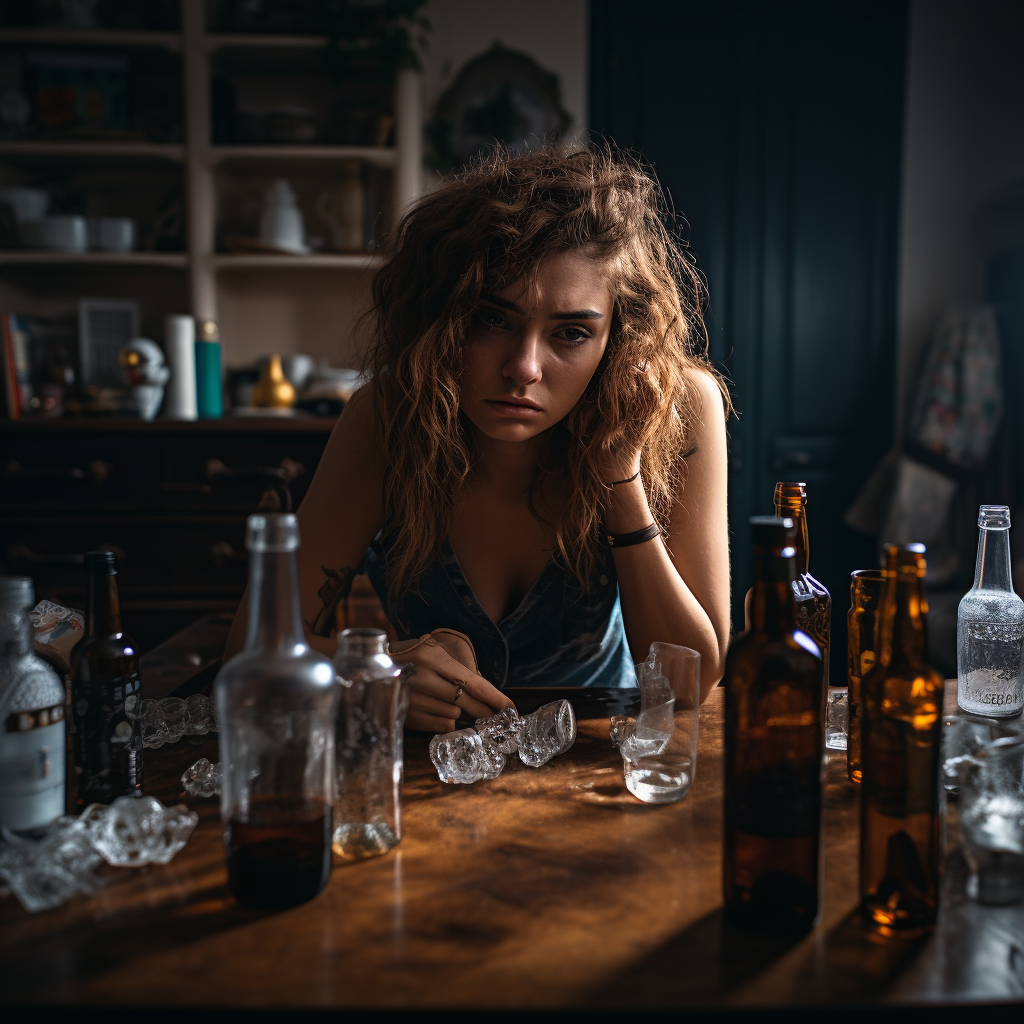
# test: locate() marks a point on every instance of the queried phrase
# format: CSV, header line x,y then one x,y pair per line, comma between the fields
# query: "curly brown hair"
x,y
485,228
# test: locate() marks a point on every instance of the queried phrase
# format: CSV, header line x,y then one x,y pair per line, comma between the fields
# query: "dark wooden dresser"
x,y
169,498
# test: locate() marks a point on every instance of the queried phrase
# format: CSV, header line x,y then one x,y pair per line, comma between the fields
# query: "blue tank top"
x,y
558,636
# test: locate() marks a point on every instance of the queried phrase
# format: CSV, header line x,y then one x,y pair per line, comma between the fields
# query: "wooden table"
x,y
544,888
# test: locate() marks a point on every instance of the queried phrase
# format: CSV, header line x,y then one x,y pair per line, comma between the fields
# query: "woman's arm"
x,y
338,518
678,592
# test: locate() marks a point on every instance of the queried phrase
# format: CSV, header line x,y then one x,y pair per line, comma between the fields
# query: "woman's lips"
x,y
513,409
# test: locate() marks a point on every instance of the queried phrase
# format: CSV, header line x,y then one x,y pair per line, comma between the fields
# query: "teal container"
x,y
209,384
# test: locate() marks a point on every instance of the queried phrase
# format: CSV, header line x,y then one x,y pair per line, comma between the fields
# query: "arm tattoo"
x,y
335,589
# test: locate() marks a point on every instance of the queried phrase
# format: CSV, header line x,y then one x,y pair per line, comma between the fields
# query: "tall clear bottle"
x,y
774,739
901,724
104,691
813,605
32,700
276,701
368,747
990,626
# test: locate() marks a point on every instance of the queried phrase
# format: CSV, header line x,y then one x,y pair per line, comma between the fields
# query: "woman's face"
x,y
532,351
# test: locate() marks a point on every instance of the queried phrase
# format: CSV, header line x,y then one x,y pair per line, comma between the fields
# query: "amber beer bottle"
x,y
104,691
773,749
901,721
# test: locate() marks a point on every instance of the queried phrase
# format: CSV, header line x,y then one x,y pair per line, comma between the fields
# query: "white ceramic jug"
x,y
281,224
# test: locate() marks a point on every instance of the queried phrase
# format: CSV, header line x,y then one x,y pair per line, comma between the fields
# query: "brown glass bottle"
x,y
861,653
773,748
813,602
104,690
901,721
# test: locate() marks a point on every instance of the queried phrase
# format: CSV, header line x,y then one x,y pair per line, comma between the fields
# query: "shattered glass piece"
x,y
619,727
549,731
500,730
459,756
140,830
202,779
202,716
154,728
651,733
493,760
175,716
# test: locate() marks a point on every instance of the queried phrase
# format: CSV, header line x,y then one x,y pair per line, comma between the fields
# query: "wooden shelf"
x,y
90,37
254,40
92,150
381,156
17,257
315,261
129,424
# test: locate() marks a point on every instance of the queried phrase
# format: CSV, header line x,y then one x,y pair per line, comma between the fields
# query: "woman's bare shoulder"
x,y
710,398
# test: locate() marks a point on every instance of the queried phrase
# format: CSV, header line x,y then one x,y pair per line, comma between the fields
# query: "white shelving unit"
x,y
201,163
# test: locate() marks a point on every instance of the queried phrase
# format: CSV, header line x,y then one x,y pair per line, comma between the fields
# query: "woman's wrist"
x,y
627,510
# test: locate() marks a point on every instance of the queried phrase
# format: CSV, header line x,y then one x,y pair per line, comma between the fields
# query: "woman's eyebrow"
x,y
578,314
503,303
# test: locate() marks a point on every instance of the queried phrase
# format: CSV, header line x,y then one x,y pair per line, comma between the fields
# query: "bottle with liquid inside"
x,y
901,723
773,750
990,626
813,605
32,700
861,653
276,702
104,694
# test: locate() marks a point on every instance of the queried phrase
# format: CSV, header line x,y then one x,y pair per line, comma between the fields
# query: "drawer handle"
x,y
288,470
23,554
97,471
223,554
184,487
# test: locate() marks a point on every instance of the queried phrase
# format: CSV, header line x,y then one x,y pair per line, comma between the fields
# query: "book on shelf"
x,y
37,355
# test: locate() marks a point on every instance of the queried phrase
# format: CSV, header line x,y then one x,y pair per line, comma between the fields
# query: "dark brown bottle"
x,y
862,641
773,748
104,692
901,723
813,602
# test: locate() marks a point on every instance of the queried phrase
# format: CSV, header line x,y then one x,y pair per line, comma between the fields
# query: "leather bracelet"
x,y
628,480
625,540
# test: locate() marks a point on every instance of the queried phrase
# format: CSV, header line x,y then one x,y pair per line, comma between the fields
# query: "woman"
x,y
539,461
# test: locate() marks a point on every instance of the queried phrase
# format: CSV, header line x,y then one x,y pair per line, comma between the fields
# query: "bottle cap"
x,y
100,563
272,532
792,495
994,517
17,592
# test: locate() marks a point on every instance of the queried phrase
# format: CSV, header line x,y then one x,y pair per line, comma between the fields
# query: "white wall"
x,y
553,32
963,144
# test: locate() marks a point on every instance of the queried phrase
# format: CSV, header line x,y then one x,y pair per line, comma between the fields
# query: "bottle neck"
x,y
773,609
103,607
15,633
275,621
797,511
992,570
904,622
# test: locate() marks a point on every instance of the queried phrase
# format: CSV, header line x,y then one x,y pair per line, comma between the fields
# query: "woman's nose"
x,y
523,363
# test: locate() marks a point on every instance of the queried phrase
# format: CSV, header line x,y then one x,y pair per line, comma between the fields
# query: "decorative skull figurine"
x,y
144,369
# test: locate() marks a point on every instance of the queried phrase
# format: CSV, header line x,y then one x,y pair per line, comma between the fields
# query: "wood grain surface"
x,y
544,888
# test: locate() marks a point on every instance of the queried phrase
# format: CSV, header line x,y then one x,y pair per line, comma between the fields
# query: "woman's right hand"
x,y
435,700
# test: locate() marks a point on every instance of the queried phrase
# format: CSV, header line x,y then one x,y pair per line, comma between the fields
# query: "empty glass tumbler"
x,y
659,746
372,702
276,702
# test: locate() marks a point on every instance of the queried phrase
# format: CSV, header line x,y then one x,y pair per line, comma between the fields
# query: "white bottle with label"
x,y
31,718
990,626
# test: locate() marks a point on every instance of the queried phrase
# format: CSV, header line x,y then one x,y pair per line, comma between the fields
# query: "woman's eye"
x,y
491,318
573,335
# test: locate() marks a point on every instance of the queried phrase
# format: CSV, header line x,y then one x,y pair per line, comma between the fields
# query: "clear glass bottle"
x,y
813,606
104,690
32,700
276,700
901,725
990,626
368,746
774,740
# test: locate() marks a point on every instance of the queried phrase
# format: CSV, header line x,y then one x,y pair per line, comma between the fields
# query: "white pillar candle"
x,y
180,349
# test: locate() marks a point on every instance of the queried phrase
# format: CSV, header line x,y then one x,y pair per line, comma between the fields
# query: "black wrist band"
x,y
625,540
628,480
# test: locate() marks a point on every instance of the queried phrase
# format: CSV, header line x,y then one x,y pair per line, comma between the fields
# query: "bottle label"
x,y
25,721
32,775
108,744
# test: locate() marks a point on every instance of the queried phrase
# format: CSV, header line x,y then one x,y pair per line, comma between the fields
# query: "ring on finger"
x,y
459,690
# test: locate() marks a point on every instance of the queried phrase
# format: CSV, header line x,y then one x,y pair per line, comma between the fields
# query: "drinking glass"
x,y
865,600
659,746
